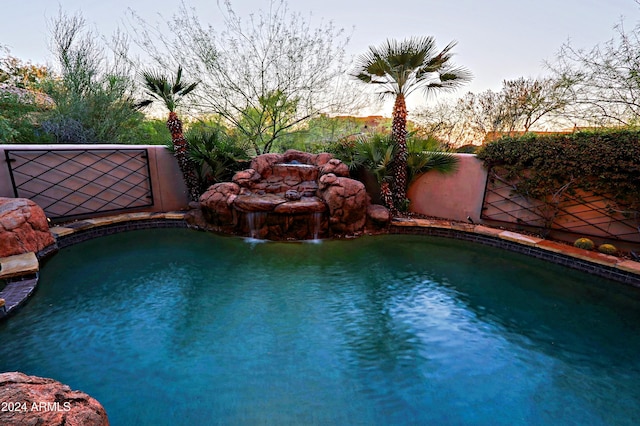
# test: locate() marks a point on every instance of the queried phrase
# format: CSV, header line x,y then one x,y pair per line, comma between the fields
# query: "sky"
x,y
496,39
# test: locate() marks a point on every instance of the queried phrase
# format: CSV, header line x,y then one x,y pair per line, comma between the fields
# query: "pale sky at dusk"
x,y
497,39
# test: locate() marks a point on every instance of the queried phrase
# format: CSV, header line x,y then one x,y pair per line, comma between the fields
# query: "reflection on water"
x,y
180,327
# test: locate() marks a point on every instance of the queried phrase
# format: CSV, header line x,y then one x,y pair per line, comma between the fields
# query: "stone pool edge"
x,y
24,277
612,267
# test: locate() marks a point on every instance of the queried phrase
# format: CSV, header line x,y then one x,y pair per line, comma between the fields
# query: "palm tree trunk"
x,y
180,152
399,136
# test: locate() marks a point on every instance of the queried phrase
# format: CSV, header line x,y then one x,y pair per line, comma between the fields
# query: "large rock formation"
x,y
29,400
295,195
23,227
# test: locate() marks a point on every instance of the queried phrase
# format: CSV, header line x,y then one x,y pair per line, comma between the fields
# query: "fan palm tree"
x,y
397,69
159,87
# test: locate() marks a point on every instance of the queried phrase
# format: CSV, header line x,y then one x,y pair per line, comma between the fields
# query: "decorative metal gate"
x,y
69,183
581,214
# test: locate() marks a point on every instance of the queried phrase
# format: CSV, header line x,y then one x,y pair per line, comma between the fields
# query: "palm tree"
x,y
160,88
398,69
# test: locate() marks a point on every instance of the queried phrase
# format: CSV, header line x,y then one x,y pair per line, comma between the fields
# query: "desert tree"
x,y
94,88
397,69
603,81
265,74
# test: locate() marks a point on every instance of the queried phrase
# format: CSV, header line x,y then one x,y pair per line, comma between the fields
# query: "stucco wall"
x,y
451,196
169,191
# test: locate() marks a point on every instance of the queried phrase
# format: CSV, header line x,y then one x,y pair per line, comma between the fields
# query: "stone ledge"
x,y
18,265
83,225
519,238
604,260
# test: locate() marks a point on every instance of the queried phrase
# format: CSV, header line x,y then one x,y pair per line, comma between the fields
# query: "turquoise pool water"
x,y
178,327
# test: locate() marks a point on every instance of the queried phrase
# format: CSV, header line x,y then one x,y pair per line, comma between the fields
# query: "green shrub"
x,y
584,243
607,249
602,162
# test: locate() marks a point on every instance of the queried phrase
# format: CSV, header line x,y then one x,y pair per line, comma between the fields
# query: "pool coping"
x,y
23,277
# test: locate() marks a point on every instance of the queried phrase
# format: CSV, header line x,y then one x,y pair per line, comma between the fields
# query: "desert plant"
x,y
170,92
216,155
398,69
607,249
584,243
377,153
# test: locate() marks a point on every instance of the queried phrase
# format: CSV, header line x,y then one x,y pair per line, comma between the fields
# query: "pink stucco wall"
x,y
452,196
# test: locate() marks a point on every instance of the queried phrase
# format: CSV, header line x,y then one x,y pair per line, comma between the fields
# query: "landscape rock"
x,y
295,195
378,216
23,227
217,203
32,400
347,200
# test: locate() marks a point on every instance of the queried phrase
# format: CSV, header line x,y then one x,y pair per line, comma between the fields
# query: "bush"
x,y
607,249
584,243
602,162
215,155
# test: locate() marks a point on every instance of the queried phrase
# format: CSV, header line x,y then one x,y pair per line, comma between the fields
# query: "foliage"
x,y
604,81
425,155
152,132
402,67
216,155
24,75
542,167
161,88
93,97
520,105
608,249
18,118
397,69
584,243
264,75
376,153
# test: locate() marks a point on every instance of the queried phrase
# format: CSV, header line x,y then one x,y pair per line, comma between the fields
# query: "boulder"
x,y
23,227
304,205
378,216
258,203
336,167
246,178
217,203
347,201
264,163
34,400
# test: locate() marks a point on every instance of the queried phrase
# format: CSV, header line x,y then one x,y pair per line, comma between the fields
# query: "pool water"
x,y
178,327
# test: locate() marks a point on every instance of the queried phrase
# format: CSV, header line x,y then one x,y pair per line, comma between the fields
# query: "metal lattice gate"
x,y
69,183
581,214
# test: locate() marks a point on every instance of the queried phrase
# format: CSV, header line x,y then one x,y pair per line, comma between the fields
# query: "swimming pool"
x,y
182,327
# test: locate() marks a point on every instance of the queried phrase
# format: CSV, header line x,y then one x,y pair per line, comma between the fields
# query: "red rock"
x,y
304,205
216,203
263,190
336,167
347,200
263,164
322,159
46,402
258,203
378,215
23,227
246,177
300,157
